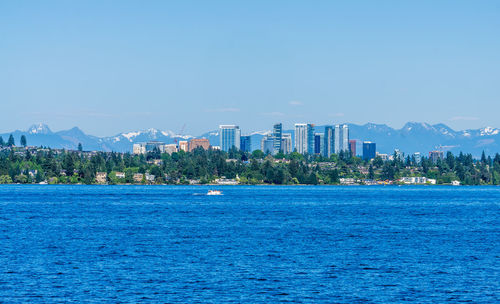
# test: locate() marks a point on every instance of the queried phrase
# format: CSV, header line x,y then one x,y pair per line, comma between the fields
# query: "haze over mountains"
x,y
413,137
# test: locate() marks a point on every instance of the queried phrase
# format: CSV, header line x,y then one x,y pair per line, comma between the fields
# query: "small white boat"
x,y
214,192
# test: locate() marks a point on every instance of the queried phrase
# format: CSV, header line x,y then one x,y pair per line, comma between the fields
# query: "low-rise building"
x,y
139,149
384,157
226,181
120,174
198,143
170,148
183,146
101,177
138,177
150,177
416,180
347,181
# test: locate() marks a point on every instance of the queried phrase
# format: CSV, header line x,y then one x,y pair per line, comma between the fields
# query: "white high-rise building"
x,y
418,157
286,143
344,138
301,138
336,139
229,137
341,138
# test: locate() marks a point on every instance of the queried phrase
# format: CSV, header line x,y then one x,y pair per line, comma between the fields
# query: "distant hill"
x,y
413,137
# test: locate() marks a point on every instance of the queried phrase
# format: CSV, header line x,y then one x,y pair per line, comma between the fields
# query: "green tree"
x,y
10,141
2,143
371,172
258,154
80,147
5,179
23,141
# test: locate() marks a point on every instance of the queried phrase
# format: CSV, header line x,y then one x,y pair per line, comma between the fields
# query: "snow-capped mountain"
x,y
39,129
412,137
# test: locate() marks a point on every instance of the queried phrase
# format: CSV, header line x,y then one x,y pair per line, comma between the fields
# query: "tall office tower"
x,y
310,139
286,143
418,157
318,143
301,138
344,138
352,147
304,138
246,143
369,150
267,144
336,139
328,147
277,136
229,137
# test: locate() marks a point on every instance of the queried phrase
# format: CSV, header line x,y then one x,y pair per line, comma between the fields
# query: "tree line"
x,y
21,165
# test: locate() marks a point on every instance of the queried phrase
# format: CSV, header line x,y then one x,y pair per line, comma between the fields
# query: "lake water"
x,y
164,244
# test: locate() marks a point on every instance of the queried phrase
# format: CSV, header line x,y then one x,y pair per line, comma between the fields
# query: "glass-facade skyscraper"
x,y
310,139
267,144
344,138
341,138
229,137
246,143
369,150
286,143
277,136
304,138
301,138
318,143
328,145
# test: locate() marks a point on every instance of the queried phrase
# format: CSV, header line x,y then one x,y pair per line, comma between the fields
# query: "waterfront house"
x,y
101,177
138,177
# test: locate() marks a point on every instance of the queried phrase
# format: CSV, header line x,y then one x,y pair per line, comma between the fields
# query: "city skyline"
x,y
165,65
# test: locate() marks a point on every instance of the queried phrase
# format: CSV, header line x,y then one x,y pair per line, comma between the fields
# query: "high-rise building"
x,y
277,136
344,138
286,143
198,143
336,139
434,156
301,138
229,137
328,145
267,144
399,155
341,138
304,138
369,150
310,139
246,143
352,147
318,143
418,157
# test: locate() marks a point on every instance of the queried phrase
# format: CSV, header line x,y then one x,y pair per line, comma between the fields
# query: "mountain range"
x,y
413,137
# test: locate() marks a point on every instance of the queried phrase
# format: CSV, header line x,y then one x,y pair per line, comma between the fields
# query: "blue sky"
x,y
112,66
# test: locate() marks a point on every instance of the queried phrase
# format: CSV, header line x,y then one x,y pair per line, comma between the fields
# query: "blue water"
x,y
161,244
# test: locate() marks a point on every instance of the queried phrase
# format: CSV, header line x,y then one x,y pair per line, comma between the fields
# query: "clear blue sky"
x,y
112,66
